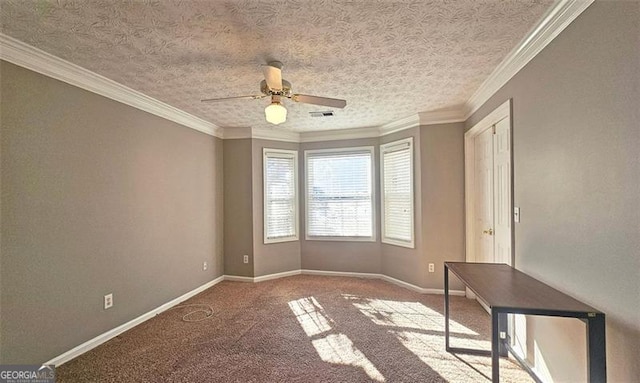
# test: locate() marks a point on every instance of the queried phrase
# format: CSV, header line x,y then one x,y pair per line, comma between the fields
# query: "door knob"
x,y
490,231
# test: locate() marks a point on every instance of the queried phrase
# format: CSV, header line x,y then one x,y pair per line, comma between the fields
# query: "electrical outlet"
x,y
108,301
205,265
432,268
245,258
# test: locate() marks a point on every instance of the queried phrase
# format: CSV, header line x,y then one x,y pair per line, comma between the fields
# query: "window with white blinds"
x,y
397,192
339,194
280,195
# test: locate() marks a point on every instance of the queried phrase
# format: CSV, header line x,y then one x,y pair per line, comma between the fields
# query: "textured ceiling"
x,y
388,59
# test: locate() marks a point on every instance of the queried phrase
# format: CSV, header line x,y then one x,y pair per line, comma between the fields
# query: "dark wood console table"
x,y
509,291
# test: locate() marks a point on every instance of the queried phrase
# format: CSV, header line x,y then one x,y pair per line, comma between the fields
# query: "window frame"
x,y
387,148
356,149
281,153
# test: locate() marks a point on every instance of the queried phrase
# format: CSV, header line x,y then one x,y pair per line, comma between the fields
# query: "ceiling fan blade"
x,y
324,101
273,75
255,97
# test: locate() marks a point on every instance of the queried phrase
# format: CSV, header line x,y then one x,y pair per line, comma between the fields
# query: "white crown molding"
x,y
339,134
100,339
27,56
275,134
434,117
409,122
236,133
413,121
442,116
554,22
261,133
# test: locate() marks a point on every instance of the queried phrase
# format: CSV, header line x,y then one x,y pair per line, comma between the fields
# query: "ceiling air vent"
x,y
322,114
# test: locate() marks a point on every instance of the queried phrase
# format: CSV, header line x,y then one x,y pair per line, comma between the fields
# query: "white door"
x,y
492,164
502,192
484,196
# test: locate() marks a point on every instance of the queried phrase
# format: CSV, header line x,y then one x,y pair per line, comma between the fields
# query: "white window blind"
x,y
280,195
339,199
397,192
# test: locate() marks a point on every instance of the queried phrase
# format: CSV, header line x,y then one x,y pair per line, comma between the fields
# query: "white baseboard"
x,y
350,274
276,275
384,277
237,278
406,285
340,274
419,289
100,339
457,293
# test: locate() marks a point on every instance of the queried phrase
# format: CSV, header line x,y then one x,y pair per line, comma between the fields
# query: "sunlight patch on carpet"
x,y
431,350
339,349
311,316
332,348
405,314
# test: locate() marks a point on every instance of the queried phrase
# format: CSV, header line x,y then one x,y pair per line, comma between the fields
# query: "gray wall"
x,y
576,135
442,162
238,207
273,257
97,197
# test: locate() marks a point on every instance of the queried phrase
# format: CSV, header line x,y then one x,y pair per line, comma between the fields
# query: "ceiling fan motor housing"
x,y
284,92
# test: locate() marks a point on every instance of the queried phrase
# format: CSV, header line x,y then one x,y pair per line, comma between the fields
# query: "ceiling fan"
x,y
275,87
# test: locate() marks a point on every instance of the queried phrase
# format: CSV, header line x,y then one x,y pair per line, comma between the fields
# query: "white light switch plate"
x,y
516,214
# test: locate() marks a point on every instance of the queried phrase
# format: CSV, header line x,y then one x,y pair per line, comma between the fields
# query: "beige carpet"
x,y
300,329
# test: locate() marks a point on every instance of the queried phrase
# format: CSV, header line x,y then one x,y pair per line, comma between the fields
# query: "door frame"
x,y
501,112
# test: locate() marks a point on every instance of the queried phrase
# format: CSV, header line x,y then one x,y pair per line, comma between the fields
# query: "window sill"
x,y
341,239
408,245
280,240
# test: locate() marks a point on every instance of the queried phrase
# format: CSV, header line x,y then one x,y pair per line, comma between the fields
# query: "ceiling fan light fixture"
x,y
278,89
275,113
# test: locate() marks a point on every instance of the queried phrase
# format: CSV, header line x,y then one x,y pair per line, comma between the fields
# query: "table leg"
x,y
596,349
495,346
502,329
446,307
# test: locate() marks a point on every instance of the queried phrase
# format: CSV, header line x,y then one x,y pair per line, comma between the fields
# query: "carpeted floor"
x,y
300,329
